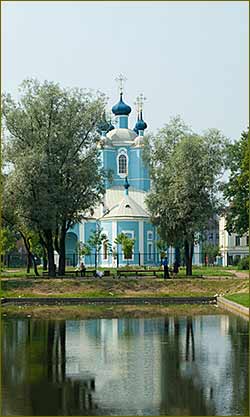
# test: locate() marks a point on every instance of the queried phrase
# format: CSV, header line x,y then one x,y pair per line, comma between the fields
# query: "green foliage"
x,y
211,251
162,247
236,191
127,244
55,174
185,170
8,240
83,249
97,239
51,148
244,263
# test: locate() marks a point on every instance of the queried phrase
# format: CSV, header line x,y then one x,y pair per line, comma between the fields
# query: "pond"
x,y
187,365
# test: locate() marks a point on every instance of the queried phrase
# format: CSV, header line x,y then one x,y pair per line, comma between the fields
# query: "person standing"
x,y
166,270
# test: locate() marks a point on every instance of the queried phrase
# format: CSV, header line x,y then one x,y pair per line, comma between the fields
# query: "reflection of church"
x,y
125,366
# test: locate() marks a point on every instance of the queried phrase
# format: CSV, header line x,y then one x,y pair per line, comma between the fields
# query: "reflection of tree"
x,y
42,385
190,339
239,363
179,394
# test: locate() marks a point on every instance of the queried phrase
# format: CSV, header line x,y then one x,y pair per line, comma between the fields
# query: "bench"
x,y
137,272
90,272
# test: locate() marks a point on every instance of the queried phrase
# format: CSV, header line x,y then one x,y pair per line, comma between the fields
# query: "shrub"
x,y
244,263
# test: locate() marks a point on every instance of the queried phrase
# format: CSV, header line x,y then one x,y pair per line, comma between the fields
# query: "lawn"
x,y
240,298
205,271
125,287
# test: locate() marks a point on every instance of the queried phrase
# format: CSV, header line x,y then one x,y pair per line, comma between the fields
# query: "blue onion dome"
x,y
121,108
140,124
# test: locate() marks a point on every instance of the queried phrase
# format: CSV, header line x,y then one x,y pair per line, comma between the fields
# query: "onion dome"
x,y
140,124
121,108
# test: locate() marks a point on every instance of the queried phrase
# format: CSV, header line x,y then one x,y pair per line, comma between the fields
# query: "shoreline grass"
x,y
125,287
240,298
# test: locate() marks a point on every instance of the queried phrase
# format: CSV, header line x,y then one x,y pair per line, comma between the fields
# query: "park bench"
x,y
87,272
138,272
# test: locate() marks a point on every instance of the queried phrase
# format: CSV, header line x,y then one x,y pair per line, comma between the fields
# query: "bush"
x,y
244,263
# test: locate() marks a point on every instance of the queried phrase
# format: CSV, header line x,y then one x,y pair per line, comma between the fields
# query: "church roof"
x,y
121,135
127,208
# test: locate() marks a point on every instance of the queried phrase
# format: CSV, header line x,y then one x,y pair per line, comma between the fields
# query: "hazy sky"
x,y
188,58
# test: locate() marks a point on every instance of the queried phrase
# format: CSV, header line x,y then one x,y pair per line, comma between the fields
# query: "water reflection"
x,y
172,366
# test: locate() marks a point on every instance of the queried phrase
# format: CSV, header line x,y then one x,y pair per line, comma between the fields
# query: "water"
x,y
168,366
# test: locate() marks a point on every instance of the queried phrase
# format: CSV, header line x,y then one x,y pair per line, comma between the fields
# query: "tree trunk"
x,y
50,250
45,260
189,251
62,254
29,261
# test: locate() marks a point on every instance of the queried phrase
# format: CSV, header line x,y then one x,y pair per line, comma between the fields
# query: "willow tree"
x,y
185,170
236,191
55,175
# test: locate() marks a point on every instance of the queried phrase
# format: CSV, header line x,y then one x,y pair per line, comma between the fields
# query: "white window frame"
x,y
122,151
132,237
150,233
150,257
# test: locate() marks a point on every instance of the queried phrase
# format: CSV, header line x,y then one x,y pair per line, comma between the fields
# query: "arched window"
x,y
122,164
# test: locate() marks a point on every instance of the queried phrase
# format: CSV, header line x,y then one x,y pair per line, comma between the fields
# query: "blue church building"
x,y
123,209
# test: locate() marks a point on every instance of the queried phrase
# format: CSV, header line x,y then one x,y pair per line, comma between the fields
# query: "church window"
x,y
129,234
150,251
105,251
122,161
150,235
237,240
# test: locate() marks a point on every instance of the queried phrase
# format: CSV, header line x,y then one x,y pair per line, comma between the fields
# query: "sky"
x,y
187,58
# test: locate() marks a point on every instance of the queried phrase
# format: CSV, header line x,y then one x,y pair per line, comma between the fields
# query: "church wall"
x,y
88,229
150,258
133,226
137,173
75,229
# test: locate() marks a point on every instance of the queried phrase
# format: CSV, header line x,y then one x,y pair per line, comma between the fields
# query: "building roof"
x,y
121,135
126,208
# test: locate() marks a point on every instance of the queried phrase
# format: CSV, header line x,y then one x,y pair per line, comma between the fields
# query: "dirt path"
x,y
239,274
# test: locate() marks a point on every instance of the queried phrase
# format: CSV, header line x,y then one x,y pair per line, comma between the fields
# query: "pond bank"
x,y
109,300
67,312
233,307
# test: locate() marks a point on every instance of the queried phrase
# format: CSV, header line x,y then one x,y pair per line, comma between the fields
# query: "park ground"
x,y
230,283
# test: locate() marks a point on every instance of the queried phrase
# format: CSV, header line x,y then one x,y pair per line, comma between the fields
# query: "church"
x,y
123,209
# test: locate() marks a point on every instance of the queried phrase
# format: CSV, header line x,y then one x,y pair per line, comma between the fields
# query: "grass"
x,y
240,298
93,312
205,271
125,287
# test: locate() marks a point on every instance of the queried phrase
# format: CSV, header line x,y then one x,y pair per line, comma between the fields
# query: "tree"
x,y
55,175
236,191
185,170
127,244
209,252
96,240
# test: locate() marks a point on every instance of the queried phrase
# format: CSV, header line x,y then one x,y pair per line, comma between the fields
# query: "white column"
x,y
114,235
141,241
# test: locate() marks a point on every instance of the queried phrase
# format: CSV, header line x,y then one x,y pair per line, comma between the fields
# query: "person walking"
x,y
166,270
